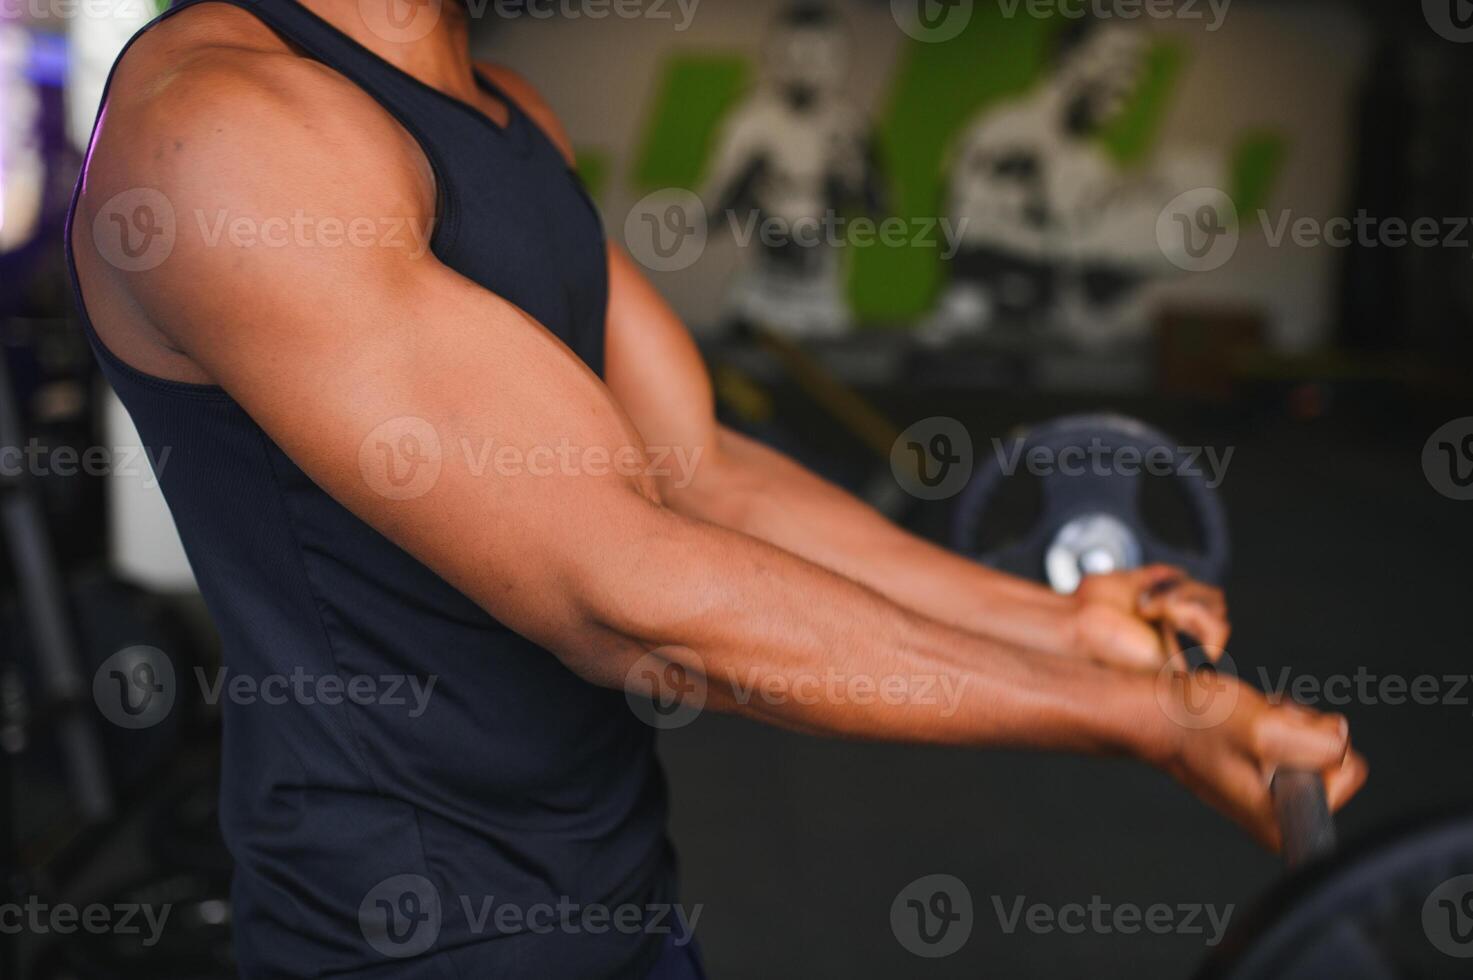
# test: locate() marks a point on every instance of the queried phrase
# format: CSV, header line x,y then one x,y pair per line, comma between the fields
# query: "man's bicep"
x,y
656,371
437,412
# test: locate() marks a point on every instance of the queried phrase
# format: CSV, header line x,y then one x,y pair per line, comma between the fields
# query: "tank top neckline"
x,y
514,131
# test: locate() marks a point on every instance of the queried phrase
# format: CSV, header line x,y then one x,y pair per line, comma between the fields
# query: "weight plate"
x,y
1399,905
1092,470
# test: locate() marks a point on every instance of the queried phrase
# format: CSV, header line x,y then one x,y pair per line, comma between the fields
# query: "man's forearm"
x,y
761,493
782,640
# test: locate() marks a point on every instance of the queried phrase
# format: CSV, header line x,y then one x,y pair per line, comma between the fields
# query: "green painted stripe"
x,y
593,169
1132,134
938,90
694,93
1257,160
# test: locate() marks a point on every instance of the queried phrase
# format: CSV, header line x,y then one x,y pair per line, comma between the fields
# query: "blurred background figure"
x,y
795,157
1055,234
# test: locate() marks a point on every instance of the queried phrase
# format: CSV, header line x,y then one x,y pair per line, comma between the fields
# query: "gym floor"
x,y
1345,562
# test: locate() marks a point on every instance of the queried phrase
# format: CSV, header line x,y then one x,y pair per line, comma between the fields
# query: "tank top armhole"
x,y
443,236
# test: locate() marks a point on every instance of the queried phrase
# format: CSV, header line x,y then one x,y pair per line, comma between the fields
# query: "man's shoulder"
x,y
214,69
211,96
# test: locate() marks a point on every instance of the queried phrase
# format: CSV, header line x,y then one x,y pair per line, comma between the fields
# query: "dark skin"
x,y
752,568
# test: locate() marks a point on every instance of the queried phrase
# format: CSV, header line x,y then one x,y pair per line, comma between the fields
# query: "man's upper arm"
x,y
335,350
652,364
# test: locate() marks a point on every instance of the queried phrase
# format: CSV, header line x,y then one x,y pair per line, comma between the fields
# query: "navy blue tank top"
x,y
497,827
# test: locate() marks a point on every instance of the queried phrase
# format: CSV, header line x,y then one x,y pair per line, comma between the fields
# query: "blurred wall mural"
x,y
1057,223
793,151
1052,177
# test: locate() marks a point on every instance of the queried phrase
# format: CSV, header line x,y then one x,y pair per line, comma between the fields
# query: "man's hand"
x,y
1230,742
1118,617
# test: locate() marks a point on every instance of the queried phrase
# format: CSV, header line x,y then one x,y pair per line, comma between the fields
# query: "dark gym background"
x,y
1326,369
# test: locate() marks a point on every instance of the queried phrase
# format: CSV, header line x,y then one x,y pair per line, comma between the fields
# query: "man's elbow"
x,y
655,579
709,483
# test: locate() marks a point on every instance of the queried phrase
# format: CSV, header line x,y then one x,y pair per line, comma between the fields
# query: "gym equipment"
x,y
1092,470
1397,906
1299,797
58,665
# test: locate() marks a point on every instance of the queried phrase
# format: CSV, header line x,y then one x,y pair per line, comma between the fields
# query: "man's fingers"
x,y
1202,595
1246,799
1209,631
1345,780
1291,737
1159,583
1154,581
